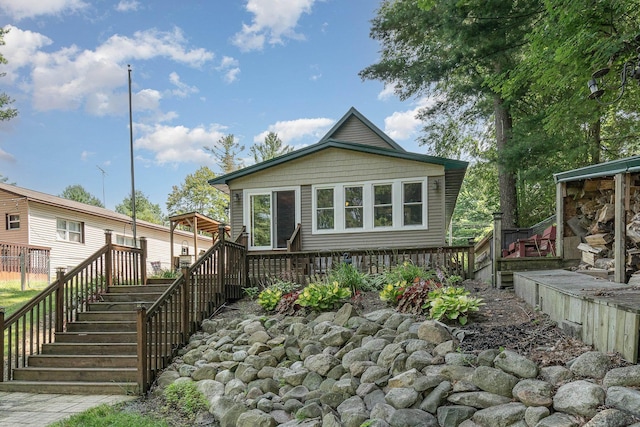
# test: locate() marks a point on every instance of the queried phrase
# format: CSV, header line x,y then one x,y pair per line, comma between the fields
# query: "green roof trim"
x,y
355,113
449,164
614,167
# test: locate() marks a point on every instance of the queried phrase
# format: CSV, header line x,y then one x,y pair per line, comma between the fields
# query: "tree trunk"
x,y
506,178
595,142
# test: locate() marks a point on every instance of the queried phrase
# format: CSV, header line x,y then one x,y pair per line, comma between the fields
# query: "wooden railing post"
x,y
2,345
143,260
141,328
472,258
222,263
497,246
108,260
60,299
186,305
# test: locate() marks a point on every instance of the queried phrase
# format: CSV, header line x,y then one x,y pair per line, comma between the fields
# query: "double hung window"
x,y
69,231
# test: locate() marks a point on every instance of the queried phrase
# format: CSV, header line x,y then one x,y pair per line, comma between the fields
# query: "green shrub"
x,y
186,398
408,272
392,292
451,303
269,298
323,296
348,276
251,292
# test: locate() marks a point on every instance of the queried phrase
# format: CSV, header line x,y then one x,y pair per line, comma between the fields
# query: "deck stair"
x,y
97,353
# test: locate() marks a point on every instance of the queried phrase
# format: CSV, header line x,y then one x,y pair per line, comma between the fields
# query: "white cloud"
x,y
127,5
19,9
6,156
86,155
71,78
230,67
403,125
387,93
182,89
178,144
273,21
292,130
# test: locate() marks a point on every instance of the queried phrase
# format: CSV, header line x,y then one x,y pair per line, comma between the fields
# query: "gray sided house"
x,y
354,189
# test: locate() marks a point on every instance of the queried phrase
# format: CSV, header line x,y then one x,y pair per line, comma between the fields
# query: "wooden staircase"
x,y
97,353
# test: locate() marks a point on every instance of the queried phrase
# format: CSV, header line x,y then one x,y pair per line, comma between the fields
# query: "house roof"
x,y
72,205
629,164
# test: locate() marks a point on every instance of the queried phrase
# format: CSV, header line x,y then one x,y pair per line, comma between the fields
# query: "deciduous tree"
x,y
6,112
195,194
145,210
78,193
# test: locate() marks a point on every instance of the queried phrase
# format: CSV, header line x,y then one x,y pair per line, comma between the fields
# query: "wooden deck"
x,y
599,312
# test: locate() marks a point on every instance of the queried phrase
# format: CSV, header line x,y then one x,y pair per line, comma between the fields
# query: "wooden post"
x,y
60,299
141,329
143,261
222,263
2,345
472,258
561,189
496,247
186,305
108,260
620,226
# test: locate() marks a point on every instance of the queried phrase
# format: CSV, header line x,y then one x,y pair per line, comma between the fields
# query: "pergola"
x,y
196,222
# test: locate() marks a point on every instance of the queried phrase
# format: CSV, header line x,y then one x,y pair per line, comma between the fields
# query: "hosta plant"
x,y
323,296
452,303
269,298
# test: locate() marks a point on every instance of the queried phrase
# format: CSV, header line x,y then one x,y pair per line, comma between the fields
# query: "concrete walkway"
x,y
27,409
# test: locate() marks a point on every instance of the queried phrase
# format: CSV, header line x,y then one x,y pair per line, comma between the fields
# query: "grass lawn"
x,y
12,298
107,416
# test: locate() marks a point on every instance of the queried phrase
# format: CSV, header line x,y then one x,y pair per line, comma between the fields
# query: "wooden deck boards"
x,y
608,313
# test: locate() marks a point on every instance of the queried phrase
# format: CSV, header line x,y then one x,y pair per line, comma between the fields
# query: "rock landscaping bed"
x,y
368,365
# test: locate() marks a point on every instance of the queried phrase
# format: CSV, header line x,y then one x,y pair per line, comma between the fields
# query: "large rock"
x,y
255,418
628,376
611,418
534,393
515,364
321,363
454,415
592,364
401,398
412,418
494,380
433,332
624,398
579,398
478,399
501,415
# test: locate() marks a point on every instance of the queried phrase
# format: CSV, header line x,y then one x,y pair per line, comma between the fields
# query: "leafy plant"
x,y
348,276
288,304
251,292
392,292
408,272
186,398
416,296
269,298
452,303
376,282
323,296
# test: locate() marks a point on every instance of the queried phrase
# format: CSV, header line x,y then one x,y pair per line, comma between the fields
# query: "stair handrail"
x,y
36,323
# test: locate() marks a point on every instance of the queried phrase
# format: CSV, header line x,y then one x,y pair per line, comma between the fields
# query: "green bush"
x,y
392,292
408,272
185,397
348,276
323,296
269,298
451,303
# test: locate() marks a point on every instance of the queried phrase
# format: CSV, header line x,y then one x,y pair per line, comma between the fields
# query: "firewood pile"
x,y
589,207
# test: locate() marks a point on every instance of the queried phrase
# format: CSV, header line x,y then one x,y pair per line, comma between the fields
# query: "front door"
x,y
272,218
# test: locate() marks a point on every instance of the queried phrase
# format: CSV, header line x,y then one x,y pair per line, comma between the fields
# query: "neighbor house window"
x,y
412,203
383,205
124,240
70,231
13,221
353,207
325,209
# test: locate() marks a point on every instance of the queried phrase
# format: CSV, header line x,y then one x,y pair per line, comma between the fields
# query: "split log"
x,y
606,213
600,240
633,228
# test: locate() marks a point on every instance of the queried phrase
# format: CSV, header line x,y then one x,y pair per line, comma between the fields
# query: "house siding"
x,y
353,130
14,204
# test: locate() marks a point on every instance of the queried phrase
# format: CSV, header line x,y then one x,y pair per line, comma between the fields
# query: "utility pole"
x,y
133,186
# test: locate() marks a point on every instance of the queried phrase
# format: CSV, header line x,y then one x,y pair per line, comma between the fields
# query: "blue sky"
x,y
200,70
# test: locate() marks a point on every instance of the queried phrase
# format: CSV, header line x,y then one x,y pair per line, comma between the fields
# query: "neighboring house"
x,y
74,231
354,189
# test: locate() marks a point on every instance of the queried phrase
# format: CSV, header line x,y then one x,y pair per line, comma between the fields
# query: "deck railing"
x,y
35,324
19,261
301,267
202,288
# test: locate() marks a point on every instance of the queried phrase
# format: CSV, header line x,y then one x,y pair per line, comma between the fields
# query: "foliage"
x,y
375,282
226,153
392,292
288,304
407,272
348,276
323,296
271,147
451,303
145,210
269,298
414,297
251,292
186,398
195,194
79,194
110,416
6,113
165,273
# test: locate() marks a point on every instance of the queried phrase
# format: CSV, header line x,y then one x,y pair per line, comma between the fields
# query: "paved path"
x,y
39,410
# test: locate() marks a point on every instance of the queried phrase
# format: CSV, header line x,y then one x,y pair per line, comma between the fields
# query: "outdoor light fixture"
x,y
598,84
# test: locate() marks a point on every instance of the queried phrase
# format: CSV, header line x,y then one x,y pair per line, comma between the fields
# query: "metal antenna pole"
x,y
104,202
133,186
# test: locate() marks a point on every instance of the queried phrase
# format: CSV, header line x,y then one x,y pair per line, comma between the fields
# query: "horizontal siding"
x,y
353,130
336,165
12,204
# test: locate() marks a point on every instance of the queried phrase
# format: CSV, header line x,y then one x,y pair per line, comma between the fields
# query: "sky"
x,y
200,70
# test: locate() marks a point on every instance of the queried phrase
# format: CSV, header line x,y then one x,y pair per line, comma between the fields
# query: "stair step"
x,y
96,337
130,296
71,387
102,326
109,316
75,374
117,306
90,349
154,288
82,361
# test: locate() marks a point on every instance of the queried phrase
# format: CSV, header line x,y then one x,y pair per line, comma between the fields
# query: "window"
x,y
272,216
412,203
70,231
13,221
353,208
124,240
383,205
324,209
260,220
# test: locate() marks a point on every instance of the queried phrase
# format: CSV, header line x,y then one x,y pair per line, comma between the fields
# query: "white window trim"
x,y
11,222
367,195
246,212
58,238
